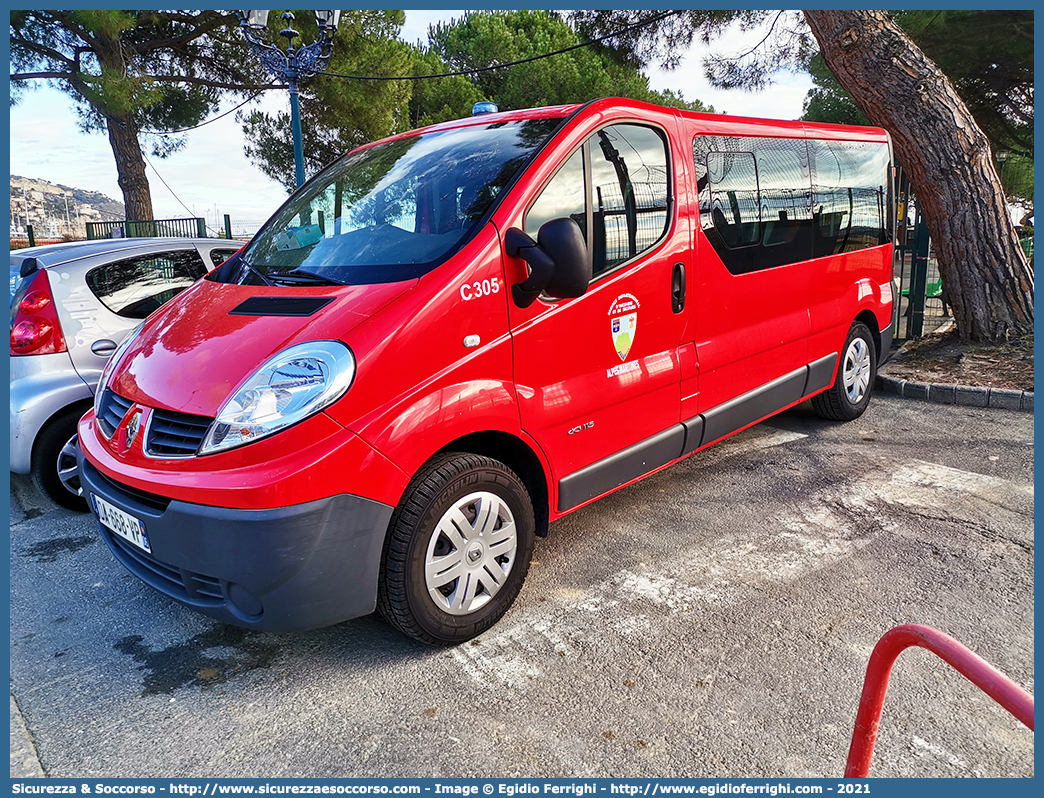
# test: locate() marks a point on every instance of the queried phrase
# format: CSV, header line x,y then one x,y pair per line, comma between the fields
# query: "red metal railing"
x,y
969,664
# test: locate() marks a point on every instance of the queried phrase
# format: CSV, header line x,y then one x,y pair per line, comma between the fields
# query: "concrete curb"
x,y
965,395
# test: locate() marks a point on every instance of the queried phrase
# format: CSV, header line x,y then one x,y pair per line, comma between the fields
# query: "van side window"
x,y
786,201
629,195
848,195
767,202
627,198
735,203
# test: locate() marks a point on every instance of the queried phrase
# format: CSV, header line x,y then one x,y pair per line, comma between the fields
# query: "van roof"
x,y
711,124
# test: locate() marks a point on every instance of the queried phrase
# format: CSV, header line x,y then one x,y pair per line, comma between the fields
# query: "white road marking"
x,y
923,748
983,486
794,541
751,440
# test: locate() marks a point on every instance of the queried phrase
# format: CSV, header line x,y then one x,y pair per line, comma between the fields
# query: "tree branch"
x,y
39,49
25,76
174,43
66,22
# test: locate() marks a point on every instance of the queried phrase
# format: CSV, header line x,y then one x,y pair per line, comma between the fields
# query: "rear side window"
x,y
735,203
849,195
767,202
219,256
135,287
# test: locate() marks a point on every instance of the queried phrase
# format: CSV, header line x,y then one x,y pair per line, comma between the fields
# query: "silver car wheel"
x,y
69,468
470,553
857,370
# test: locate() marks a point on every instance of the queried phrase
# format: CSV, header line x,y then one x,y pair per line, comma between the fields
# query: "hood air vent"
x,y
281,306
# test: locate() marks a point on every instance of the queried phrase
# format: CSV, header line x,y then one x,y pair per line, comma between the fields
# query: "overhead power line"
x,y
249,99
476,71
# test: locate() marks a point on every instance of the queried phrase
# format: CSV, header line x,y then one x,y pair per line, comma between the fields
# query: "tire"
x,y
447,576
848,397
54,468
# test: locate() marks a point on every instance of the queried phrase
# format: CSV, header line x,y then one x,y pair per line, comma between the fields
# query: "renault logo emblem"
x,y
133,426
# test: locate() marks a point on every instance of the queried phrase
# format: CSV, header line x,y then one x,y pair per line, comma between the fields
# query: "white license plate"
x,y
123,524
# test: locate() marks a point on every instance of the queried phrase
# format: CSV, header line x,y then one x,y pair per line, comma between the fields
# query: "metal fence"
x,y
922,296
165,228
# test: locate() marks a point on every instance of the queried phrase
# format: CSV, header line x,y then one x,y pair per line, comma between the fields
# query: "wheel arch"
x,y
517,455
868,318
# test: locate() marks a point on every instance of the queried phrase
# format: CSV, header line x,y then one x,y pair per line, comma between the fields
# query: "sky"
x,y
211,176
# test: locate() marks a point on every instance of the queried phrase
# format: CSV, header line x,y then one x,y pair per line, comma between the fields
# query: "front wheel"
x,y
848,397
458,549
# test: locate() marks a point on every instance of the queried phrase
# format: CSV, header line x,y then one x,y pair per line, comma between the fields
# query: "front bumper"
x,y
282,569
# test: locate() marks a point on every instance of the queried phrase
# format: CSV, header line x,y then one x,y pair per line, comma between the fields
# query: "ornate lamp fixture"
x,y
290,65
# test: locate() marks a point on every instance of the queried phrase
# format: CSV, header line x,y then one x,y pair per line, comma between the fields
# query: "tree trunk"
x,y
130,167
988,280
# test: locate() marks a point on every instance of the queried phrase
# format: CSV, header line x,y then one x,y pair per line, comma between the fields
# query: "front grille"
x,y
173,434
184,585
112,410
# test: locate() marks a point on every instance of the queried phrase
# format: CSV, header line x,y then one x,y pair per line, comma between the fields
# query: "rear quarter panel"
x,y
841,289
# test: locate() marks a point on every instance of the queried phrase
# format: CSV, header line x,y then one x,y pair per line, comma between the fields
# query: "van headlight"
x,y
288,388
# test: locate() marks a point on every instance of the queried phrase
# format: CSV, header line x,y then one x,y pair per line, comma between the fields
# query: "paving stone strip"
x,y
967,395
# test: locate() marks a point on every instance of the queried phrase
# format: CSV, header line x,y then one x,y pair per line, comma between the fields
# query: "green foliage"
x,y
827,101
1017,177
439,99
485,38
989,57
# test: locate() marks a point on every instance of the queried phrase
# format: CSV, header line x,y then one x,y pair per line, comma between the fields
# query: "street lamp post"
x,y
292,66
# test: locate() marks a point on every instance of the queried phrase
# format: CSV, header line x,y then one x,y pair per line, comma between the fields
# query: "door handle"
x,y
678,288
104,347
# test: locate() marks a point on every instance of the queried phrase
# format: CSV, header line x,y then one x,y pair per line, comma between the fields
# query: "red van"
x,y
450,338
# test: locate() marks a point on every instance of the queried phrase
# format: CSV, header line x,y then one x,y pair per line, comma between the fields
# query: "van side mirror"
x,y
558,261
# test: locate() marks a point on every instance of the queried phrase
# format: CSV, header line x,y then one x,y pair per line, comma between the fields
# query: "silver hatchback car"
x,y
71,305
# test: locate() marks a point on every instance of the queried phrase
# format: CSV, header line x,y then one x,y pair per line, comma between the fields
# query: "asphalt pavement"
x,y
712,620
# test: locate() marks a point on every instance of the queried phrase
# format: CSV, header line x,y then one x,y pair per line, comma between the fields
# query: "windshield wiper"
x,y
247,269
299,277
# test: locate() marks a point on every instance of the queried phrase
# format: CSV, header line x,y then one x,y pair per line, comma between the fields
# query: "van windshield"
x,y
393,211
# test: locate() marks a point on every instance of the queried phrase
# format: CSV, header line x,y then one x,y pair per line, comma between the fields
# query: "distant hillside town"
x,y
56,211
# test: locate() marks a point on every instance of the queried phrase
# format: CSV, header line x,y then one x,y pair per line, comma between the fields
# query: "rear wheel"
x,y
848,397
458,549
55,469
